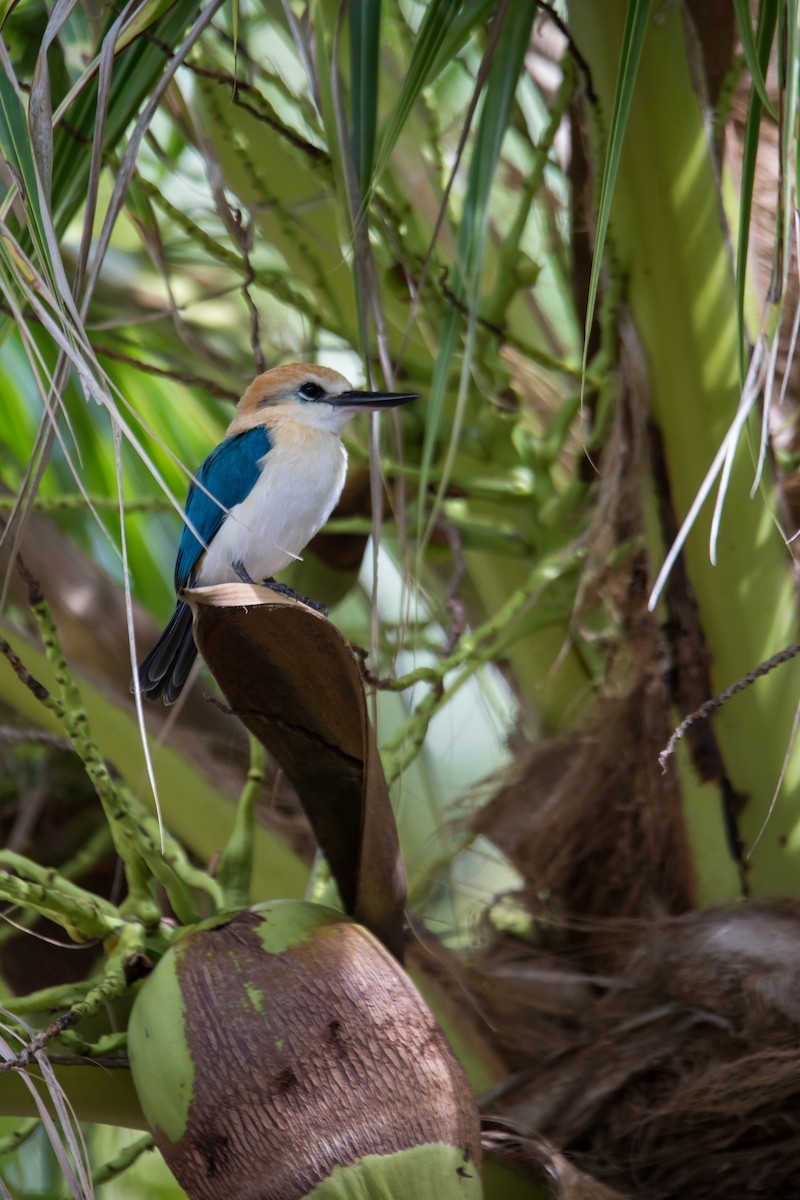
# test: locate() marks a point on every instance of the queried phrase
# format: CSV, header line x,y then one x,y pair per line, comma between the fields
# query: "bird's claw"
x,y
283,589
240,571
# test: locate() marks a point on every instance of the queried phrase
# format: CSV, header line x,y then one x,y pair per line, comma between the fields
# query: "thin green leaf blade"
x,y
636,22
750,50
15,142
472,15
438,19
365,27
767,17
500,91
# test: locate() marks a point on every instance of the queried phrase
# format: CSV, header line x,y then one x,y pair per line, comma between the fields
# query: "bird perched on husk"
x,y
260,496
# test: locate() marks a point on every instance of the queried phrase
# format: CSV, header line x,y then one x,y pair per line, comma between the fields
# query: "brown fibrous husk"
x,y
300,1059
652,1047
678,1071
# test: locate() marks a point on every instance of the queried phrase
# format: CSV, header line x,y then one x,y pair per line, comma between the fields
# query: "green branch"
x,y
235,873
126,1158
474,650
83,915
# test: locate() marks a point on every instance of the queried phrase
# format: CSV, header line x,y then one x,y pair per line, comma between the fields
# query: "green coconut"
x,y
284,1053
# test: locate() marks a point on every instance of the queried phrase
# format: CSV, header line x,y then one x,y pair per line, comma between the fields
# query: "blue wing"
x,y
229,474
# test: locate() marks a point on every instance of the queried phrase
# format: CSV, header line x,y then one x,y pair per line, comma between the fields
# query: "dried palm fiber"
x,y
590,819
654,1047
539,1159
681,1076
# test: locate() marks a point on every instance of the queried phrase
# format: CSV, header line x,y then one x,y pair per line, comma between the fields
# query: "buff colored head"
x,y
310,394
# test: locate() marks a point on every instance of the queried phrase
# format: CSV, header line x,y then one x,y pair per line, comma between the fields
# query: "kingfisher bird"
x,y
260,497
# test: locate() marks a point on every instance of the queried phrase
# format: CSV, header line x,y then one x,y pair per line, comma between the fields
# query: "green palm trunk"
x,y
669,243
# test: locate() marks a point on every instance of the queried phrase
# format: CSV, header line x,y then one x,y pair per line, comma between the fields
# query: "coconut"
x,y
283,1052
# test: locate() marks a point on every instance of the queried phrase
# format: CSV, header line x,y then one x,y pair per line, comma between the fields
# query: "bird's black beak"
x,y
357,401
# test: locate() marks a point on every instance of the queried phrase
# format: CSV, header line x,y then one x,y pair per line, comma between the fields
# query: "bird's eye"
x,y
311,391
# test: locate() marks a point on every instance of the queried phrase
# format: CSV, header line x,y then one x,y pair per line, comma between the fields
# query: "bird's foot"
x,y
240,571
283,589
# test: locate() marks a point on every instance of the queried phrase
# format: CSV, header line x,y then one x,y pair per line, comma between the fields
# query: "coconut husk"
x,y
539,1159
655,1047
294,682
297,1047
674,1074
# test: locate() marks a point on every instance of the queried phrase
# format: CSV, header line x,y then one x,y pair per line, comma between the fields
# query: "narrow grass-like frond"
x,y
365,28
762,49
127,166
437,22
507,54
752,50
636,22
63,1132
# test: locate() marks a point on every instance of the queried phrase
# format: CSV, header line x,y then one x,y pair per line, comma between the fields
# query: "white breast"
x,y
301,479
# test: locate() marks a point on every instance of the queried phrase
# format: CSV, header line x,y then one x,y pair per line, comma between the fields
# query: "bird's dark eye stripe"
x,y
311,391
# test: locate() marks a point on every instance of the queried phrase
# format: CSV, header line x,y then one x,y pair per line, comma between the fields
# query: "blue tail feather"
x,y
166,668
